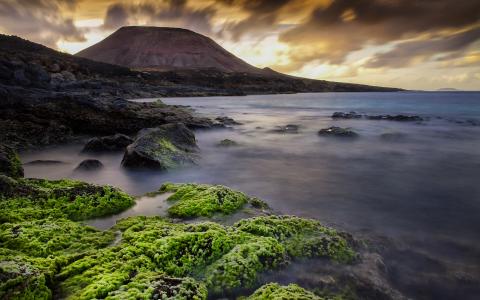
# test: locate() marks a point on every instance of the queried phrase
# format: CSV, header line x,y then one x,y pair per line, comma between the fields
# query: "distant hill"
x,y
448,90
164,49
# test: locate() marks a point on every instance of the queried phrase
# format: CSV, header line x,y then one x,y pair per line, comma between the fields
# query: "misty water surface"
x,y
421,187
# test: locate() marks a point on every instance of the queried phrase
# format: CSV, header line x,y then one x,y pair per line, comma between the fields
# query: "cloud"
x,y
39,20
407,53
167,13
332,32
262,16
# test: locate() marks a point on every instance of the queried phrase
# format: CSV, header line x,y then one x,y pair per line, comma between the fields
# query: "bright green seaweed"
x,y
194,200
274,291
45,253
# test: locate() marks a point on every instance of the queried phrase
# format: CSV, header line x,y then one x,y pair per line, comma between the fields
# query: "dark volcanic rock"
x,y
166,147
354,115
108,143
290,128
227,121
10,164
337,131
227,143
89,165
395,118
349,115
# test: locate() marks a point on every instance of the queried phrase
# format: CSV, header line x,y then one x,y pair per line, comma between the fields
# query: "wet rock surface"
x,y
227,143
89,165
290,128
227,121
165,147
10,164
354,115
335,131
108,143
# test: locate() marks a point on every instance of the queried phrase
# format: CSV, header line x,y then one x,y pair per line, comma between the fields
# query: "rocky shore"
x,y
47,252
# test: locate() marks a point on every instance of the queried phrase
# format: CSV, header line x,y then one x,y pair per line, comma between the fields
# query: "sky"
x,y
412,44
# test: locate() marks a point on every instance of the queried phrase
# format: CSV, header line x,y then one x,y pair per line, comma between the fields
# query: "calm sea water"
x,y
420,189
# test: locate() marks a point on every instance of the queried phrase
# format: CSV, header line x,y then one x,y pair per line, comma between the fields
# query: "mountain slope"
x,y
164,48
178,56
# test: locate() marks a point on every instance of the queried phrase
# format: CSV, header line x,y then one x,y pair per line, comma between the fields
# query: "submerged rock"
x,y
227,121
349,115
337,131
395,118
227,143
108,143
10,164
89,165
290,128
354,115
165,147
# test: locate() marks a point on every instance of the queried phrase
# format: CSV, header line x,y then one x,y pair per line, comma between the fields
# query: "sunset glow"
x,y
408,44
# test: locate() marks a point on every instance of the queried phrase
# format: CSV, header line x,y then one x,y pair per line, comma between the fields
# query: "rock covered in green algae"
x,y
166,147
44,254
194,200
151,285
10,164
224,258
301,237
27,199
22,280
274,291
45,237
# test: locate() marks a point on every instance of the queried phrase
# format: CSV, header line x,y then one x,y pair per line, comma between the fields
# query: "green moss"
x,y
151,285
301,237
21,280
274,291
42,249
193,200
41,238
36,199
10,164
224,258
240,266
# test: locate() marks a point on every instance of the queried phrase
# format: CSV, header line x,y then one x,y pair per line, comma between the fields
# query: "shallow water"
x,y
420,189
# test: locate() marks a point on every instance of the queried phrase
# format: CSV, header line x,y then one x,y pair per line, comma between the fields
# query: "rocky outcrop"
x,y
354,115
337,132
108,143
89,165
227,121
29,119
10,164
166,147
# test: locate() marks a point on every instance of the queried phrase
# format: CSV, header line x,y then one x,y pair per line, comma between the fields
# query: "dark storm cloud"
x,y
39,20
116,16
405,54
170,12
331,33
263,16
